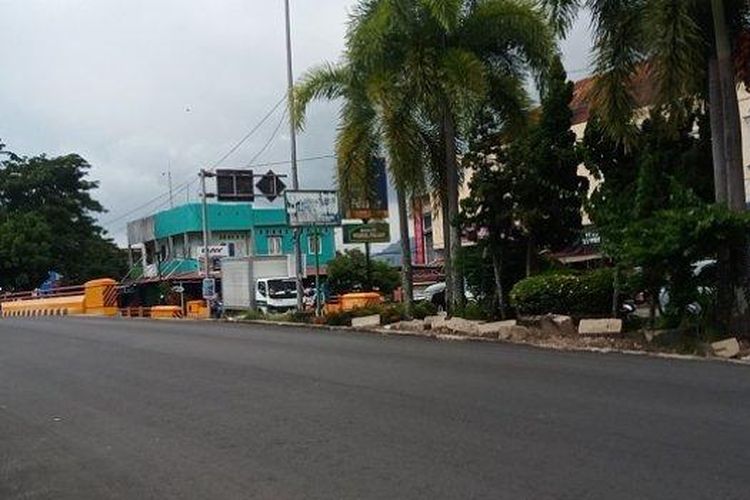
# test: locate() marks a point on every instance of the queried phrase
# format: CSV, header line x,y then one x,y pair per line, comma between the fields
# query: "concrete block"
x,y
563,324
414,325
496,329
461,326
435,322
600,327
550,324
366,321
517,332
727,348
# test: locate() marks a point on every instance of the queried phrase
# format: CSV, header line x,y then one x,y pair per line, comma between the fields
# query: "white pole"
x,y
293,143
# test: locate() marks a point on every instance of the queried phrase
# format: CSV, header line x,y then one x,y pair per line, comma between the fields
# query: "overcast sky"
x,y
136,86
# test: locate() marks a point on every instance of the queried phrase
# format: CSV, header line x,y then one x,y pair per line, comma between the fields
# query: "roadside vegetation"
x,y
48,223
440,89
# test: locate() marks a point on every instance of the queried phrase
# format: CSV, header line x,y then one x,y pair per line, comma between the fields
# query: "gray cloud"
x,y
135,86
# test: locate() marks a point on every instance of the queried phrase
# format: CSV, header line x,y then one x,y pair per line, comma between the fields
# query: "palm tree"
x,y
372,118
450,57
686,45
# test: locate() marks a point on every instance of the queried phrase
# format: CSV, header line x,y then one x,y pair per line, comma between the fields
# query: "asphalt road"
x,y
97,409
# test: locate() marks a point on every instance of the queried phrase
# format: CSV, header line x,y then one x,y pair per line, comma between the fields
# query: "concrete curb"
x,y
461,338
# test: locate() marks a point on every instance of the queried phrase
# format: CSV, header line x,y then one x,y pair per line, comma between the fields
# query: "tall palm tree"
x,y
372,118
450,56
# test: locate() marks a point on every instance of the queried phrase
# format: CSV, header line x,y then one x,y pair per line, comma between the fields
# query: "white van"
x,y
274,295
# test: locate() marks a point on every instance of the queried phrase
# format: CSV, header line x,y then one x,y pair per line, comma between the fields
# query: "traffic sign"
x,y
271,185
178,289
374,232
209,288
234,185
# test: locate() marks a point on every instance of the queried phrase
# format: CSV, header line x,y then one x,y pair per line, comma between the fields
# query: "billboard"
x,y
374,232
374,206
312,208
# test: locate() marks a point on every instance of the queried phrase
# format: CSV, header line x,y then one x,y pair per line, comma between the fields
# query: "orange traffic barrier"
x,y
349,301
95,297
198,309
166,312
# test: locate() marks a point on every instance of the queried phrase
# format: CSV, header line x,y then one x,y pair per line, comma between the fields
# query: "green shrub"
x,y
474,311
251,315
342,318
588,293
389,313
422,309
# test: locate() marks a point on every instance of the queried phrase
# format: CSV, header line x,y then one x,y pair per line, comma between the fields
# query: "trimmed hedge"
x,y
588,293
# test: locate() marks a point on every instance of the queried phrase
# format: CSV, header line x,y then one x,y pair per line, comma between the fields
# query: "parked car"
x,y
435,294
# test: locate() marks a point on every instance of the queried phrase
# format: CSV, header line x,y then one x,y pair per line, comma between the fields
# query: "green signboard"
x,y
374,232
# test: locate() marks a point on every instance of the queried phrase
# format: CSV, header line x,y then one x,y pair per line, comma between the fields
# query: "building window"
x,y
314,244
274,245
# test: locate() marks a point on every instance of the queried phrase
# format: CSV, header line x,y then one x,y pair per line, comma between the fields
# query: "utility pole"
x,y
293,143
204,206
169,182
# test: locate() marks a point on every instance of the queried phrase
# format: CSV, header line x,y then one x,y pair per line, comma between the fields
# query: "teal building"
x,y
171,242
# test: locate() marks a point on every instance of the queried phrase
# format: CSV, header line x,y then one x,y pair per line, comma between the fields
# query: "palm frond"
x,y
328,81
677,47
446,12
618,49
560,14
510,32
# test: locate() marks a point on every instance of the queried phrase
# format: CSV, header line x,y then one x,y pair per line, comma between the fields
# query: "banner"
x,y
376,205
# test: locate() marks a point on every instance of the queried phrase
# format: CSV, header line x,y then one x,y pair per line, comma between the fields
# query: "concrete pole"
x,y
293,143
204,206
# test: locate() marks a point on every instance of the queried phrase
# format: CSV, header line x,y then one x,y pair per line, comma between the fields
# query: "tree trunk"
x,y
732,138
716,115
447,256
529,255
406,270
653,299
731,116
497,267
454,239
615,291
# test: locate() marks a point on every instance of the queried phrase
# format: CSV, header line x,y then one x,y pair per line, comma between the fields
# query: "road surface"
x,y
98,408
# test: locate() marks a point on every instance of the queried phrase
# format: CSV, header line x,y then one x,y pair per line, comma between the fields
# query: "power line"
x,y
270,138
247,136
180,188
286,162
213,167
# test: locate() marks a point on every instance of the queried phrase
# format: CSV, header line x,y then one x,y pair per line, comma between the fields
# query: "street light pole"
x,y
293,143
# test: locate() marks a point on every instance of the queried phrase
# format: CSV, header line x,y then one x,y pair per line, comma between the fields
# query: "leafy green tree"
x,y
46,203
25,251
526,189
347,272
489,213
666,170
548,191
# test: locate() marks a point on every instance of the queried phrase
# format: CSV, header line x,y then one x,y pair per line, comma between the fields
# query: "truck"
x,y
276,294
258,282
